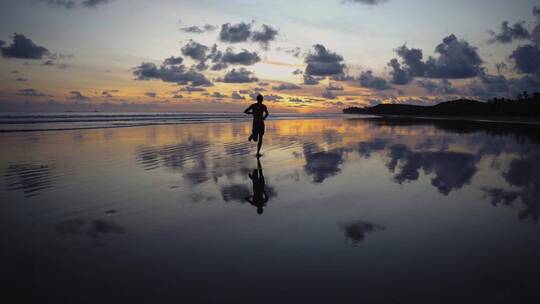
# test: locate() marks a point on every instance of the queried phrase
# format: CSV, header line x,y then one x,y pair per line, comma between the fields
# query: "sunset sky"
x,y
307,56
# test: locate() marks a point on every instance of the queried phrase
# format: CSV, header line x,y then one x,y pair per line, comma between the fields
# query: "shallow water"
x,y
357,210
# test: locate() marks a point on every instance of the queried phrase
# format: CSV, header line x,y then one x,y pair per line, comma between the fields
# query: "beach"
x,y
357,209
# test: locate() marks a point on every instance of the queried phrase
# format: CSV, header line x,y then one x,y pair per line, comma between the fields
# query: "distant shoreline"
x,y
487,119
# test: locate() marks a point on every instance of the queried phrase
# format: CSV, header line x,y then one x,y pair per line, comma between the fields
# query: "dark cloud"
x,y
269,97
150,94
71,4
368,2
329,95
218,95
264,36
240,75
234,33
527,59
77,96
509,34
177,96
297,72
190,89
30,93
310,80
22,47
500,196
195,50
286,86
170,73
368,80
443,87
457,59
194,29
173,60
106,94
21,79
242,58
236,96
334,87
322,62
399,75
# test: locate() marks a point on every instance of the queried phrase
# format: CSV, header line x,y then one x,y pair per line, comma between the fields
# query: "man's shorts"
x,y
258,129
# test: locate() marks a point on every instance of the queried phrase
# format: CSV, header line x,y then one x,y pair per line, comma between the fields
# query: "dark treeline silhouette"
x,y
524,105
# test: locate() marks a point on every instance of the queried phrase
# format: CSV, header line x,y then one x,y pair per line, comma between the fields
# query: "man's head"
x,y
260,98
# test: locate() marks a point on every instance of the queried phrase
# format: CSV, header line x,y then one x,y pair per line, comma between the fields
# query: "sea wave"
x,y
28,122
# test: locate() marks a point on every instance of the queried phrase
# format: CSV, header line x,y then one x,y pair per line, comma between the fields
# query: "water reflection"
x,y
321,164
32,179
356,231
91,228
259,198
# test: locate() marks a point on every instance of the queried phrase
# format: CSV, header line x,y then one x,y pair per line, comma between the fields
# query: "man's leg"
x,y
259,144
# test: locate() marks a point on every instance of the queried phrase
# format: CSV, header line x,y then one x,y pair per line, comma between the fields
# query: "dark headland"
x,y
525,105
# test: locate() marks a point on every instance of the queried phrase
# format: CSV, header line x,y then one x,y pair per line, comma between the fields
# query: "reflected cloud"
x,y
525,173
321,164
452,170
93,229
32,179
356,231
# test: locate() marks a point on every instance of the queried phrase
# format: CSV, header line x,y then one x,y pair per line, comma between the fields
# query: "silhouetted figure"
x,y
257,109
259,197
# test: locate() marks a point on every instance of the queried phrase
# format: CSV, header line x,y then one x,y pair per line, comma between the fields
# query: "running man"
x,y
257,109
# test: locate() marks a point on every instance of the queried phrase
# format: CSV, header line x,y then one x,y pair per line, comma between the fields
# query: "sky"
x,y
303,56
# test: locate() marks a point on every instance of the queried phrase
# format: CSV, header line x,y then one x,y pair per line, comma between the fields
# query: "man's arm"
x,y
249,110
265,112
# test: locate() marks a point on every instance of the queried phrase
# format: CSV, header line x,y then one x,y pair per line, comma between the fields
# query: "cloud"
x,y
71,4
23,48
234,33
527,59
367,2
199,30
173,60
286,86
368,80
236,96
170,73
399,75
242,32
21,79
77,96
329,95
443,87
190,89
322,62
218,95
297,72
457,59
334,87
30,93
242,58
509,34
195,50
310,80
240,75
264,36
269,97
150,94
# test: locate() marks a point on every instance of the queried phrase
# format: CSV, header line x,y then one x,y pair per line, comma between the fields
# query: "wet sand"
x,y
353,210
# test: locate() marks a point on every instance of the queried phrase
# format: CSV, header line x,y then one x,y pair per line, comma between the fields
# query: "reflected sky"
x,y
187,211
